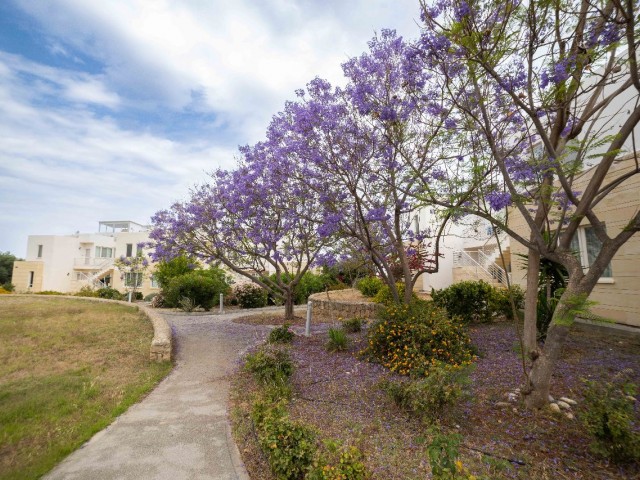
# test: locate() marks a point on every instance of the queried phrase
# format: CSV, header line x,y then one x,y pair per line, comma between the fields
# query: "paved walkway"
x,y
180,430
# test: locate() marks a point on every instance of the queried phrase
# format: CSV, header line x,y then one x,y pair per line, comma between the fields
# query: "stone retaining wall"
x,y
323,306
161,344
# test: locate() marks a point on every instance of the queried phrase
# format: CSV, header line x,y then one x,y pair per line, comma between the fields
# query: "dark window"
x,y
129,249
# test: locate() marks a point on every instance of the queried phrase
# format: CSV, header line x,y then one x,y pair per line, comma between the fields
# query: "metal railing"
x,y
93,262
483,267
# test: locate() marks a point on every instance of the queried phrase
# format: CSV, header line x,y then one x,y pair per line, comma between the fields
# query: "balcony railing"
x,y
92,262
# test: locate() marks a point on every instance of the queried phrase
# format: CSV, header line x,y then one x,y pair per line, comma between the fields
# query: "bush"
x,y
608,416
410,339
353,325
310,283
49,292
4,291
339,464
110,293
443,454
202,288
370,286
471,301
338,340
427,398
281,334
8,287
269,364
165,271
249,295
289,446
500,303
86,291
385,297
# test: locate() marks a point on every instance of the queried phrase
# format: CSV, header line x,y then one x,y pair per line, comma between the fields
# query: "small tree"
x,y
133,271
6,269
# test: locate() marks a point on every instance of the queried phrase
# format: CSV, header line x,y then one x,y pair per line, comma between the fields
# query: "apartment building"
x,y
66,263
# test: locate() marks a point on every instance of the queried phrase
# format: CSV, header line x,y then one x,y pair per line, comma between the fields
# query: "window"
x,y
39,251
139,249
586,243
129,250
133,279
154,282
104,252
31,277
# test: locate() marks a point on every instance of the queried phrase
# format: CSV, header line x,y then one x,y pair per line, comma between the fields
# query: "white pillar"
x,y
307,328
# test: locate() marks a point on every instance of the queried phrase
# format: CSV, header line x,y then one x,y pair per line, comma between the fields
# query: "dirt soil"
x,y
339,395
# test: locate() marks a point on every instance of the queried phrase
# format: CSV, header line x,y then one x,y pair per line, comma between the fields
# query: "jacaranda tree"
x,y
538,84
362,149
256,220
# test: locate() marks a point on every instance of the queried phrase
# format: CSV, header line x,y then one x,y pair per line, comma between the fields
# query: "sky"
x,y
112,110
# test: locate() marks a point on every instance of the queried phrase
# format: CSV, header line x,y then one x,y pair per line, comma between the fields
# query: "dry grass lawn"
x,y
67,369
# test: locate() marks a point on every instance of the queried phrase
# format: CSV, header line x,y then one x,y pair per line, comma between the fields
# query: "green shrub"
x,y
8,287
86,291
289,446
443,454
269,364
165,271
338,340
202,288
500,302
410,339
49,292
370,286
608,415
281,334
309,284
428,398
110,293
3,291
470,301
385,297
353,325
338,464
249,295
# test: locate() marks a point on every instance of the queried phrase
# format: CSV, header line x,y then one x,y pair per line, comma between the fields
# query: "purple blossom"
x,y
498,200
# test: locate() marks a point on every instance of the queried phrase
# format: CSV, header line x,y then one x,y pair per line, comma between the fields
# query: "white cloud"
x,y
77,146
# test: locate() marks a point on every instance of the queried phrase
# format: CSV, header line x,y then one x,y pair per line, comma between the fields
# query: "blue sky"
x,y
111,110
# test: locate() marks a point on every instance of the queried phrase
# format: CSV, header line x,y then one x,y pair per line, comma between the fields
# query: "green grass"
x,y
67,369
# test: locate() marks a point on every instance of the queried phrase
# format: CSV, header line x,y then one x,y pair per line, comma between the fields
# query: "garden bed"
x,y
338,394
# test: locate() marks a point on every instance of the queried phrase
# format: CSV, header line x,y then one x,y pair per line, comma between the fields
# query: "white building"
x,y
66,263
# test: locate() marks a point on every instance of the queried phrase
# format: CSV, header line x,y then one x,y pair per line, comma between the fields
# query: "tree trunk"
x,y
544,360
543,366
530,333
288,306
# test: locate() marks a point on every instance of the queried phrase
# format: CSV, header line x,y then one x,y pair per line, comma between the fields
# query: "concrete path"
x,y
180,430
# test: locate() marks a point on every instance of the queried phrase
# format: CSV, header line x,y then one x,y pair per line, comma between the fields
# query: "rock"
x,y
568,400
554,407
631,398
502,404
569,415
563,405
551,399
512,397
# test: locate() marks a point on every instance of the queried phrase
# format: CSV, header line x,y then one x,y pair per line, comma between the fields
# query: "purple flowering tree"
x,y
536,86
133,270
363,148
256,220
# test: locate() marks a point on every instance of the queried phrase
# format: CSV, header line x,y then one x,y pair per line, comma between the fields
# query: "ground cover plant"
x,y
67,368
339,395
